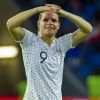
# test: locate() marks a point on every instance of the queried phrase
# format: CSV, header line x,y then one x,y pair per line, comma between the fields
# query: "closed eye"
x,y
45,20
54,20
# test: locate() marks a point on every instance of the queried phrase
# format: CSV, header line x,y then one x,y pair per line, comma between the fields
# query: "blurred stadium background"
x,y
81,79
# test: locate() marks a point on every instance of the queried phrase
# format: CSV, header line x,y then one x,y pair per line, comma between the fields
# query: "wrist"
x,y
36,10
63,13
42,9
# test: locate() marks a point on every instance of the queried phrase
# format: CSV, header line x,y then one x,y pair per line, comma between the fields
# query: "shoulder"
x,y
28,38
67,38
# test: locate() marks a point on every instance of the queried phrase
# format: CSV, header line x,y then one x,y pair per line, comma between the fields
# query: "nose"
x,y
49,22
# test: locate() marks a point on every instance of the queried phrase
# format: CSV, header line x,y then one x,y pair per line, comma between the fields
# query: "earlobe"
x,y
58,25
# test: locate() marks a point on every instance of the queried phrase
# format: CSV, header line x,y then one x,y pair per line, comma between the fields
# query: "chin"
x,y
49,34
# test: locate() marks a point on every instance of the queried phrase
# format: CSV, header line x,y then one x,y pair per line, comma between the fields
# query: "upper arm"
x,y
17,33
78,36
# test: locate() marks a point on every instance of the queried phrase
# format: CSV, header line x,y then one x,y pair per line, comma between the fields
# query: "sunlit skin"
x,y
48,26
48,23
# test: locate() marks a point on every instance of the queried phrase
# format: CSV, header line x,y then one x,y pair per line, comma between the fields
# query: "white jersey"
x,y
44,66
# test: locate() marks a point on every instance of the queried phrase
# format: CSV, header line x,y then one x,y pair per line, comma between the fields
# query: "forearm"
x,y
18,19
78,21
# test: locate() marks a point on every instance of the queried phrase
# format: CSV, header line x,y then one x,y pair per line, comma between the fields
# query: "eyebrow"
x,y
41,14
50,18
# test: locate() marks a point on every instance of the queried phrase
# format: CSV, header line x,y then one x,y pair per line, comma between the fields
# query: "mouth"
x,y
49,28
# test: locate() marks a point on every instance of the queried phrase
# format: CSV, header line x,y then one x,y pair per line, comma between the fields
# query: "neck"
x,y
48,40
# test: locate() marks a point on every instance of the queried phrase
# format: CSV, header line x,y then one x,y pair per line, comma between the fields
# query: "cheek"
x,y
57,27
41,26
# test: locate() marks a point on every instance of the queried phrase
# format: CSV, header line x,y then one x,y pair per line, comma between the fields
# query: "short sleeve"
x,y
65,42
28,38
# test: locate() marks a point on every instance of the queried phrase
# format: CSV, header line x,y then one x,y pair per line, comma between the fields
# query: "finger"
x,y
58,7
49,5
52,5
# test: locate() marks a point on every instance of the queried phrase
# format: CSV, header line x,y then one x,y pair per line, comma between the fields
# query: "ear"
x,y
58,25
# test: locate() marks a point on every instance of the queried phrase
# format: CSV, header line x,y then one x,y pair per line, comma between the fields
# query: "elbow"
x,y
90,28
87,28
8,24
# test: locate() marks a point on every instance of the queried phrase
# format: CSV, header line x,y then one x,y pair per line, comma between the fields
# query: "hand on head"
x,y
53,7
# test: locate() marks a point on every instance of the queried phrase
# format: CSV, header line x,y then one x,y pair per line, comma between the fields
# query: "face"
x,y
48,24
